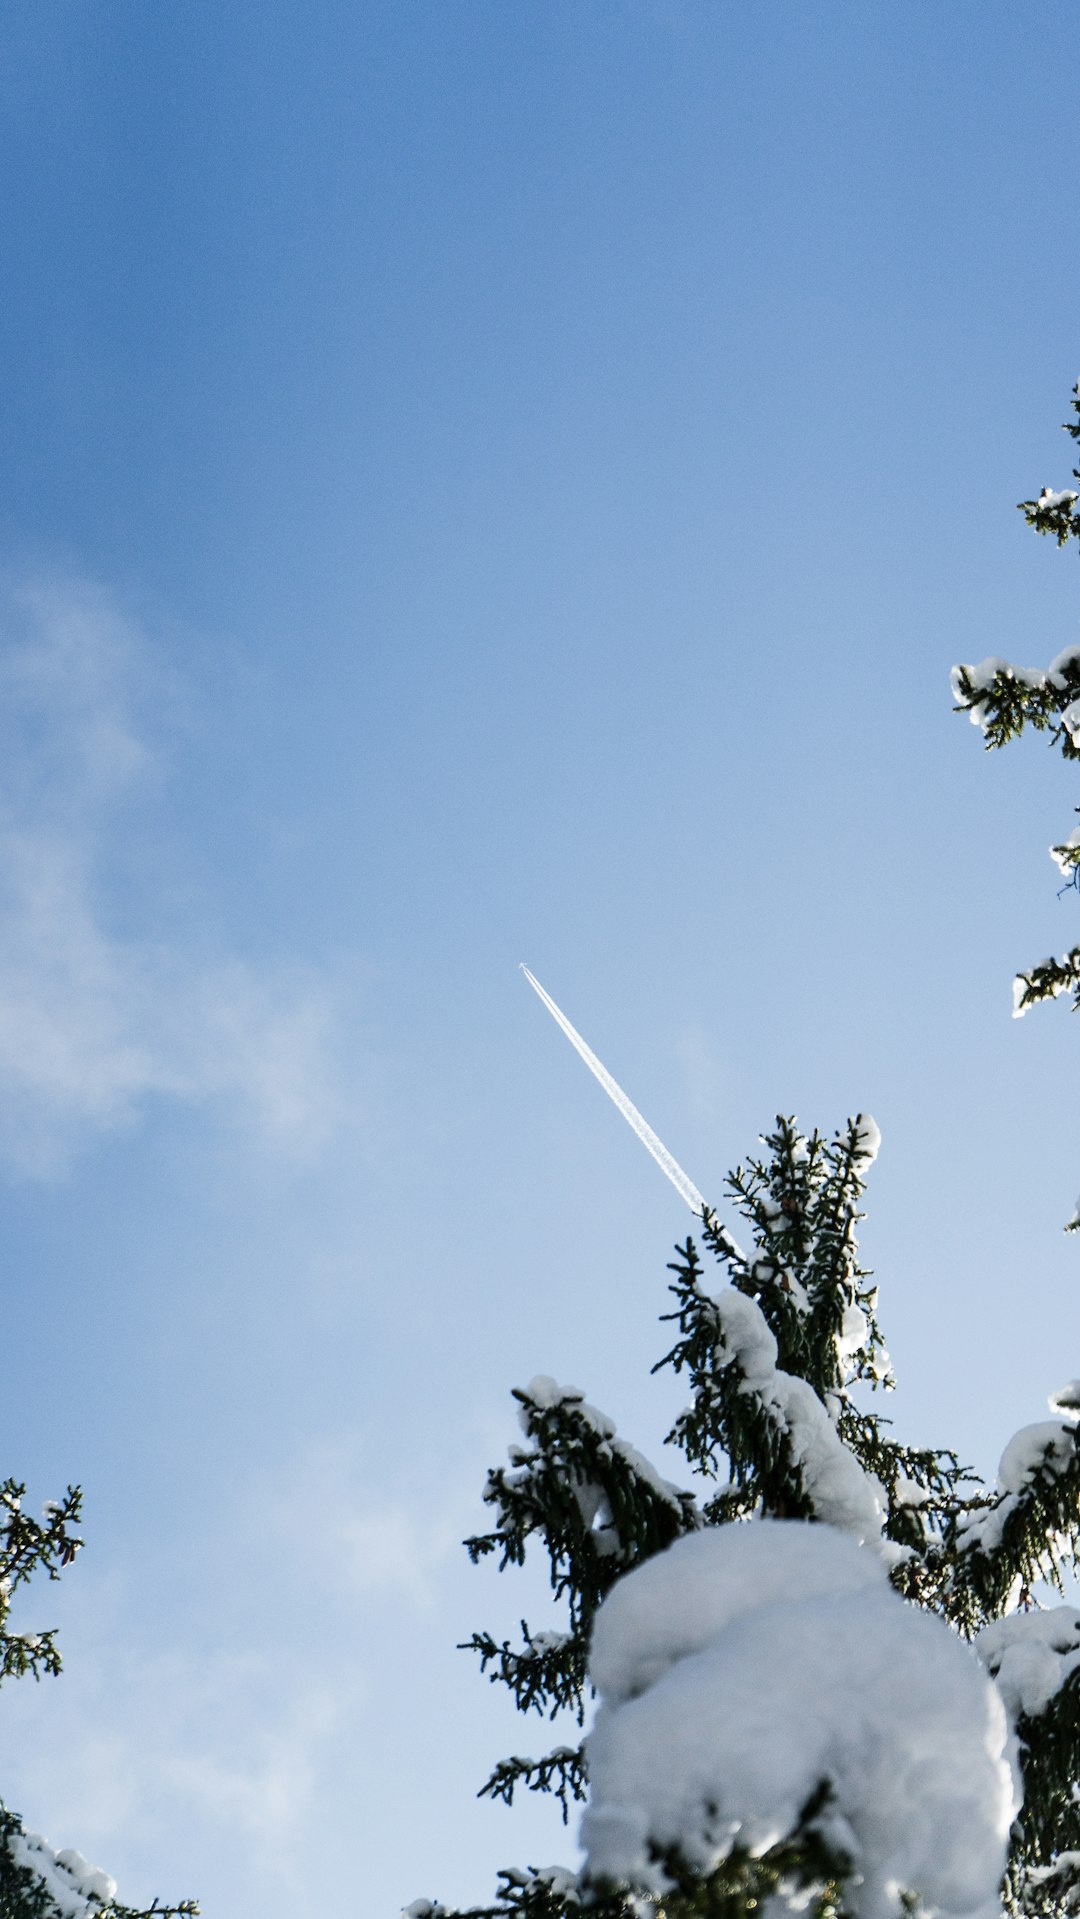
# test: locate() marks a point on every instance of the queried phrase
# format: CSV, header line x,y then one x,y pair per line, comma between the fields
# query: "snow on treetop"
x,y
544,1391
867,1138
748,1664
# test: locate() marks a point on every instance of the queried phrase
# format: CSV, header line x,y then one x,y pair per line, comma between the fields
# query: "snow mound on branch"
x,y
77,1889
842,1493
1031,1655
1047,1447
748,1664
717,1577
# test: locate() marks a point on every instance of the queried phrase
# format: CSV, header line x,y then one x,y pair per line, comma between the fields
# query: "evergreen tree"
x,y
783,1356
35,1881
1002,699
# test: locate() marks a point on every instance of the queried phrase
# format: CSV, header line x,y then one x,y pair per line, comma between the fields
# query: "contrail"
x,y
626,1106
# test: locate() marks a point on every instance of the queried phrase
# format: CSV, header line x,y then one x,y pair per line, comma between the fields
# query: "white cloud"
x,y
96,1021
365,1540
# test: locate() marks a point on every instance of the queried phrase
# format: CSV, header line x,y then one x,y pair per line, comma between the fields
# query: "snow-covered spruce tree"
x,y
35,1881
1002,699
793,1654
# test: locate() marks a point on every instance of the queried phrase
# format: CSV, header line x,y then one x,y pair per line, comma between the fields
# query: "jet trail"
x,y
626,1106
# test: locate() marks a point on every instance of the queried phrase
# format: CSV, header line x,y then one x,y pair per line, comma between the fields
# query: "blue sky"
x,y
487,482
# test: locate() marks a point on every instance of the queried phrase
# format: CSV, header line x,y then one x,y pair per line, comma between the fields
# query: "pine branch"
x,y
597,1503
726,1421
1025,1530
1049,1820
1002,699
1054,513
546,1675
561,1772
599,1508
548,1893
1047,980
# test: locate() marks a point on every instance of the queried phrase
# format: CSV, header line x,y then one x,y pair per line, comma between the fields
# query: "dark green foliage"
x,y
596,1508
1031,1534
599,1509
1004,699
27,1547
1050,1818
1055,513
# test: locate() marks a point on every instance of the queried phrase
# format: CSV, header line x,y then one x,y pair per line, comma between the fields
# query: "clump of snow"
x,y
854,1327
867,1138
1066,1400
1023,981
1031,1655
723,1573
1060,853
1063,665
1070,720
558,1880
976,683
1047,1446
748,1664
981,678
1048,499
77,1889
1046,1442
840,1492
545,1394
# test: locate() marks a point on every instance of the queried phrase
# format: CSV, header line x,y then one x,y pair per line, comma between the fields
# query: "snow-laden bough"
x,y
747,1665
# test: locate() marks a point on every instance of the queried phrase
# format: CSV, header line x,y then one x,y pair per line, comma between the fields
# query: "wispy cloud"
x,y
368,1540
99,1015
